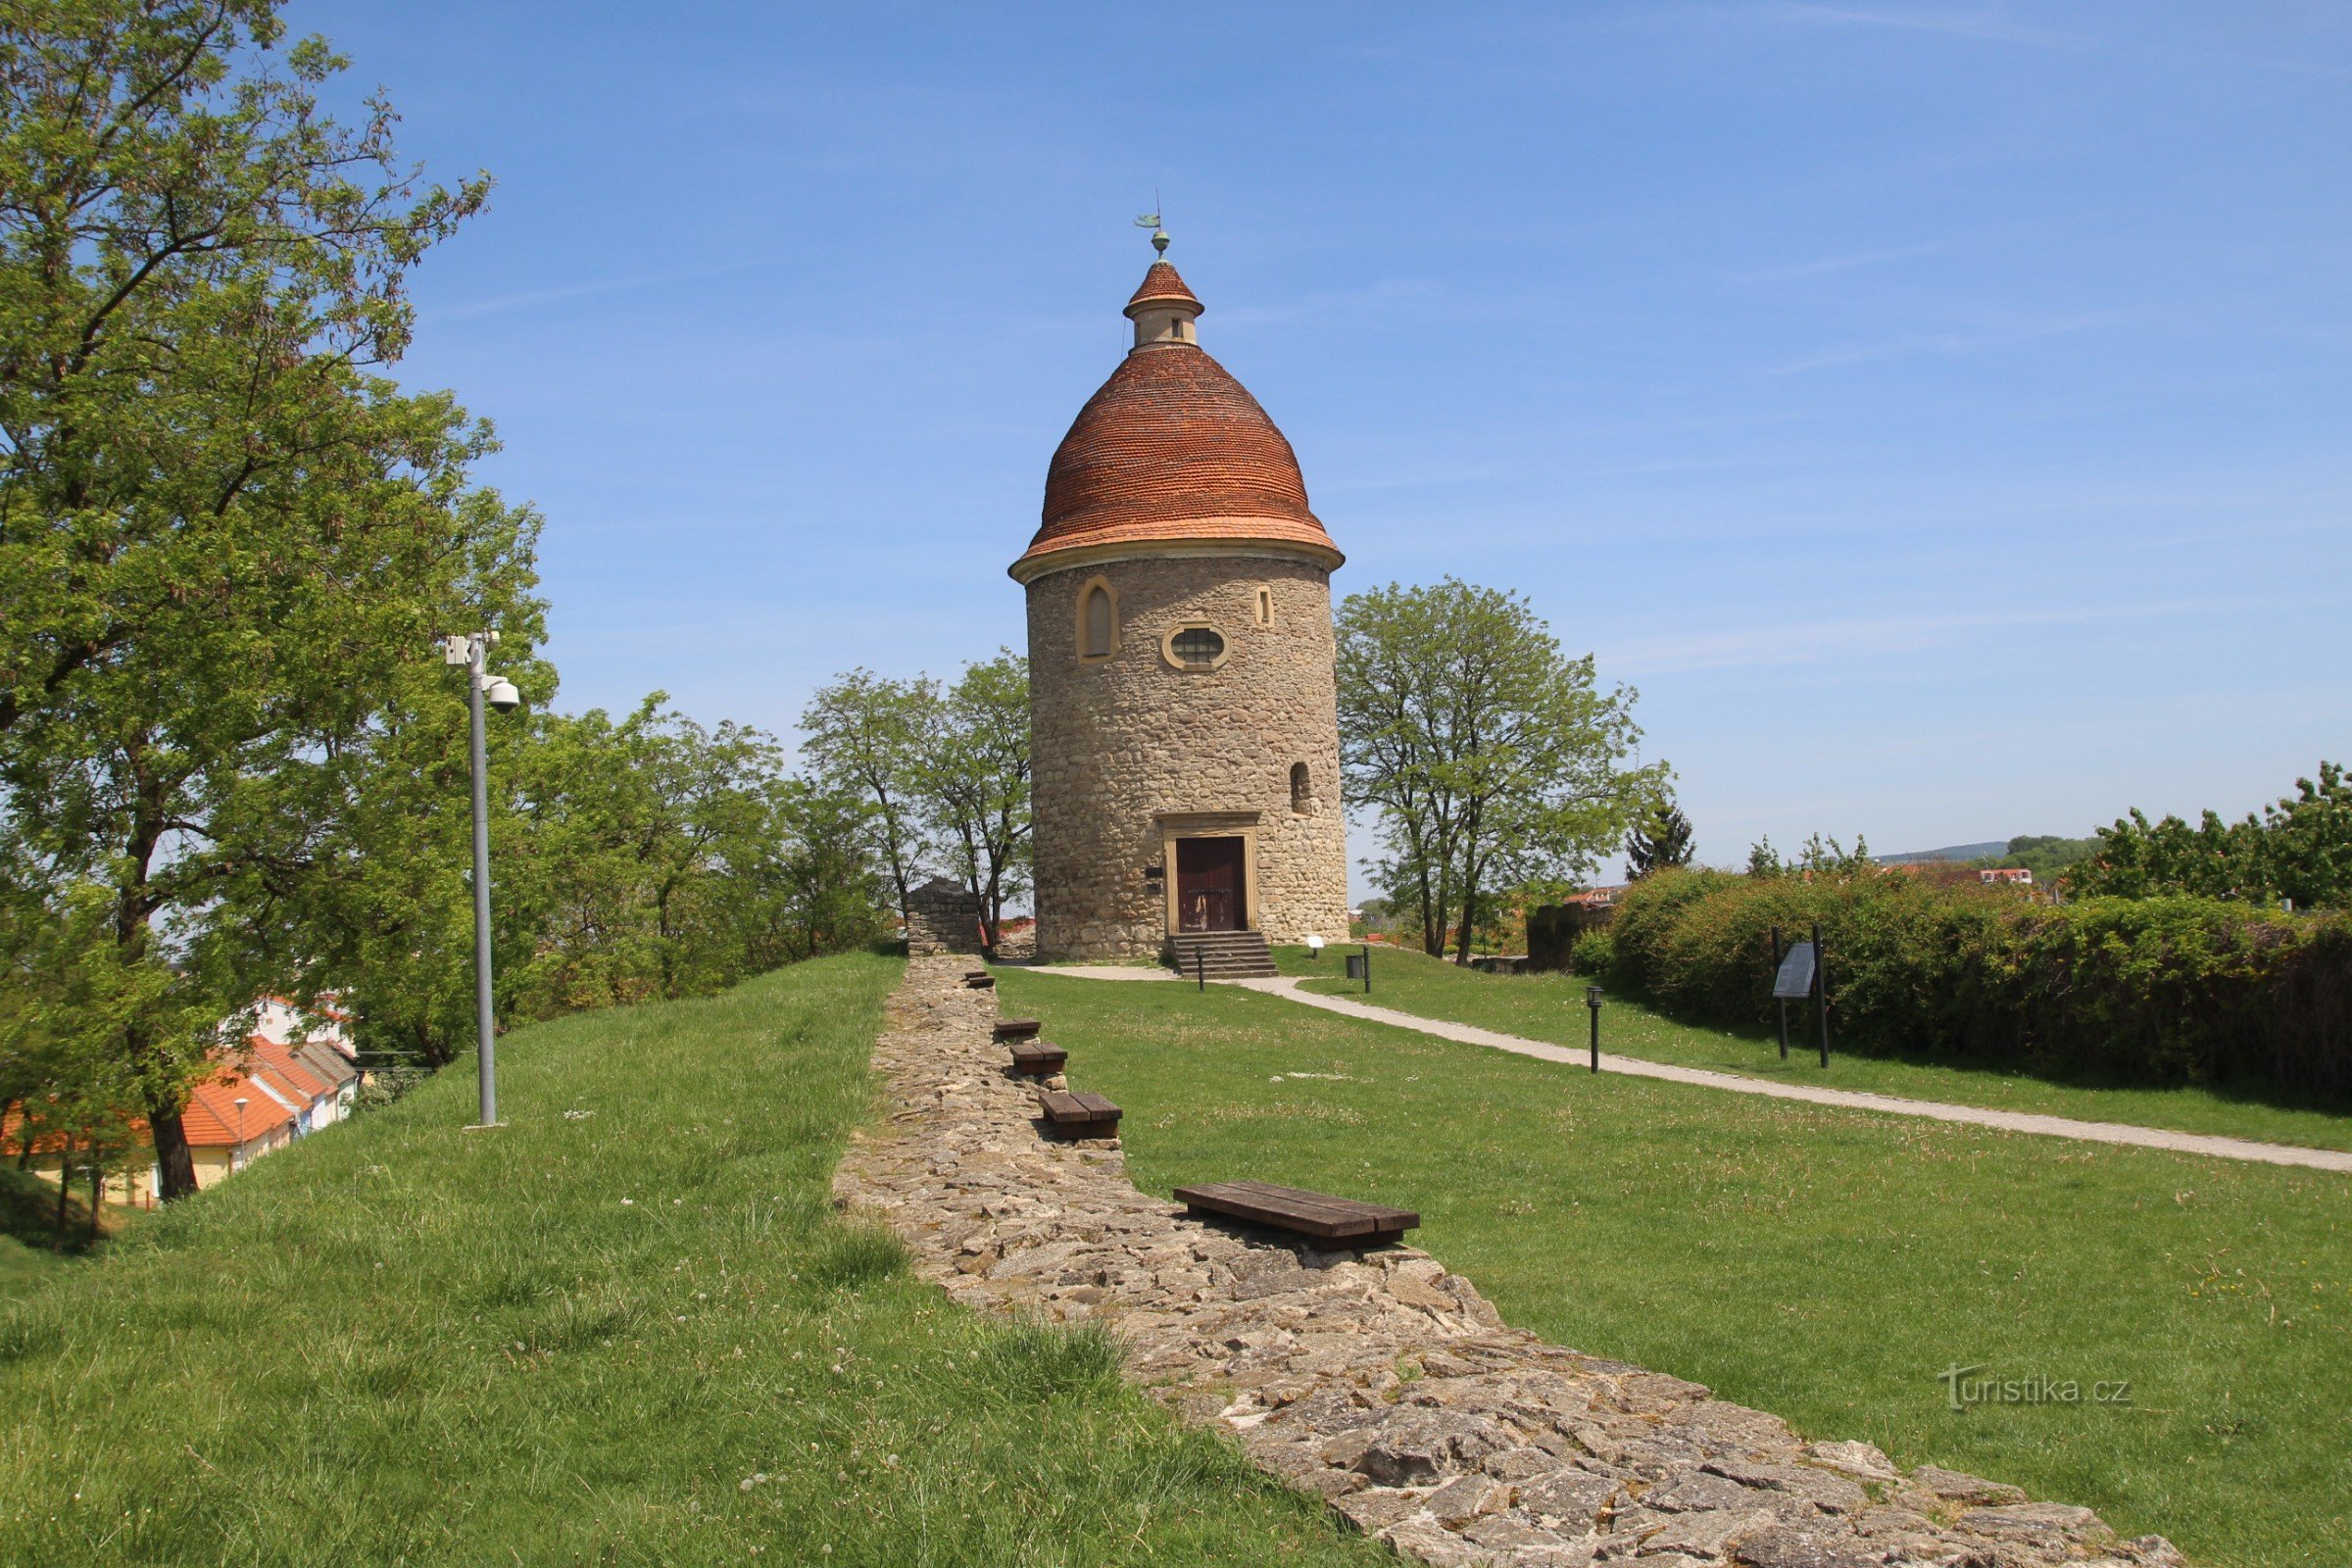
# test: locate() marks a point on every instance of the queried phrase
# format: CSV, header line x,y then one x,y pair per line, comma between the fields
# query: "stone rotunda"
x,y
1183,708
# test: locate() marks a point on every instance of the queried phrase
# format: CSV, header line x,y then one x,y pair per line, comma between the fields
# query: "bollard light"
x,y
1592,1006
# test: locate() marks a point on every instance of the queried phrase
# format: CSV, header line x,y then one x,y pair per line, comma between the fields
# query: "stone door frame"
x,y
1243,825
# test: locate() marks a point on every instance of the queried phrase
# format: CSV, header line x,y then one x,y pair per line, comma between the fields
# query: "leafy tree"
x,y
1820,858
2299,848
220,528
972,780
865,733
1658,841
819,890
2044,855
1492,758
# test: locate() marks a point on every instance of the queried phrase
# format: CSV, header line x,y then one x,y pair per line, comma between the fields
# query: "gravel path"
x,y
2095,1132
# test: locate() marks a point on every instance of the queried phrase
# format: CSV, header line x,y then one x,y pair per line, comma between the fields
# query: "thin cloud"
x,y
1947,343
1841,263
1989,27
614,285
1993,27
1808,641
1355,299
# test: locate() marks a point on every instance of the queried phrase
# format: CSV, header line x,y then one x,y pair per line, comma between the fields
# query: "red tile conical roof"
x,y
1172,449
1162,285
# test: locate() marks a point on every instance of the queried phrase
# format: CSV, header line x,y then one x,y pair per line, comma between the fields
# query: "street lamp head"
x,y
501,695
1592,998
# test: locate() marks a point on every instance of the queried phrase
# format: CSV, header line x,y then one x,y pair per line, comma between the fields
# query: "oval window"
x,y
1197,645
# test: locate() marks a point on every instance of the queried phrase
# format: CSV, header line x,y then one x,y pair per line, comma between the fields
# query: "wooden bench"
x,y
1017,1028
980,981
1079,1115
1317,1214
1036,1059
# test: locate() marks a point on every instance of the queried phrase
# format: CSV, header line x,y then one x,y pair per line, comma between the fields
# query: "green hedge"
x,y
2162,990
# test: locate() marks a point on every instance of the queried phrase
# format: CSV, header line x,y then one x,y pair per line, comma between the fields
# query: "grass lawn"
x,y
1823,1265
1551,1007
575,1340
28,1251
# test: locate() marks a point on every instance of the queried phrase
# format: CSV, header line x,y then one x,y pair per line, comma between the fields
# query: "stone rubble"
x,y
1378,1380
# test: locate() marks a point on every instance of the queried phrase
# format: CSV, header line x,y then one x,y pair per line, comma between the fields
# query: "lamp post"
x,y
472,649
1592,1006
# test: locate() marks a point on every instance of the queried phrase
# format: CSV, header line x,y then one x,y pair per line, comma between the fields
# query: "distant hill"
x,y
1958,852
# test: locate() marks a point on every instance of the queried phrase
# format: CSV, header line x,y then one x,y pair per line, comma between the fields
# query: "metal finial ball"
x,y
1159,241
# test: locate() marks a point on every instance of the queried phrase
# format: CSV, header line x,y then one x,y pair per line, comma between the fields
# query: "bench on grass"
x,y
1316,1214
1017,1028
1079,1115
980,980
1036,1058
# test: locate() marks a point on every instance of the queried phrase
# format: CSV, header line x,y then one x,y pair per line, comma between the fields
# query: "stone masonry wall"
x,y
942,918
1119,742
1378,1380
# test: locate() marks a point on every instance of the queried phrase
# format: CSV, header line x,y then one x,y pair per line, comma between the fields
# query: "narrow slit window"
x,y
1266,607
1302,799
1098,623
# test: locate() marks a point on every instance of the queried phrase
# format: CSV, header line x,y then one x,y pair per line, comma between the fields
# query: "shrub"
x,y
2162,990
1593,953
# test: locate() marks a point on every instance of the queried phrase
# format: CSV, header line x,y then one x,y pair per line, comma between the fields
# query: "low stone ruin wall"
x,y
942,918
1379,1380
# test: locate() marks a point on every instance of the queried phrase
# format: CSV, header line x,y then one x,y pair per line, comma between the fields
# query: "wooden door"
x,y
1208,885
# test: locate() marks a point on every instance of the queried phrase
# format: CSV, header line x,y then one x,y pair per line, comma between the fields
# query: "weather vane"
x,y
1150,221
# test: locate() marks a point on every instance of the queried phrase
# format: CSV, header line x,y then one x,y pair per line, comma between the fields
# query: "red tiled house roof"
x,y
1171,450
211,1120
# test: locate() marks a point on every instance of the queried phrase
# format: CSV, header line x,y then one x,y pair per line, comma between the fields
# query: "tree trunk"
x,y
1433,919
65,1180
1461,946
174,1162
97,1191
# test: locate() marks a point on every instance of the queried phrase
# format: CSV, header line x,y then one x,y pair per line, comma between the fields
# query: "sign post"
x,y
1798,976
1820,991
1780,1002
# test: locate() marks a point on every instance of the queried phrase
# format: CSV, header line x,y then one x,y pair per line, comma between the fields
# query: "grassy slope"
x,y
571,1341
1552,1006
1823,1265
29,1254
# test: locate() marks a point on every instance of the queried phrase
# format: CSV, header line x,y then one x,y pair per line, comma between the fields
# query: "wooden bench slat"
x,y
1038,1057
1016,1028
1064,1110
1296,1195
1317,1214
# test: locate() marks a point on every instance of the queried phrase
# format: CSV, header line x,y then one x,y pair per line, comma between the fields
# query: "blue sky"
x,y
1939,413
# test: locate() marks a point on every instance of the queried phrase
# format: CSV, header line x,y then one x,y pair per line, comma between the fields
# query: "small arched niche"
x,y
1302,793
1097,620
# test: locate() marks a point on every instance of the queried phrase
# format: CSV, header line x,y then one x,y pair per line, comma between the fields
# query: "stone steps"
x,y
1222,954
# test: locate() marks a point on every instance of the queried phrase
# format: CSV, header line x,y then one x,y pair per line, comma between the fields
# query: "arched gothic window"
x,y
1098,623
1302,799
